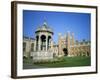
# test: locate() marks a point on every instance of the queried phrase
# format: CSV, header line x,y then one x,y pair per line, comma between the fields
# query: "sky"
x,y
60,22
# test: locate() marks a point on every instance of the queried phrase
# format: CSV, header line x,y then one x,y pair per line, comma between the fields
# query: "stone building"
x,y
68,46
43,47
28,46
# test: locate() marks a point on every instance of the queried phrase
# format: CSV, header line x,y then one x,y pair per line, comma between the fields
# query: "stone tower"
x,y
68,43
59,45
72,39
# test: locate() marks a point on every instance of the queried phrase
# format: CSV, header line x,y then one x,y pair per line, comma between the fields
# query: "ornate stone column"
x,y
46,42
39,43
35,45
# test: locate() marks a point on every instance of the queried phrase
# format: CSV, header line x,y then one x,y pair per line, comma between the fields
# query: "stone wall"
x,y
42,56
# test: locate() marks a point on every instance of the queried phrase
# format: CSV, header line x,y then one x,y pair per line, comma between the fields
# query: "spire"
x,y
45,22
68,34
72,39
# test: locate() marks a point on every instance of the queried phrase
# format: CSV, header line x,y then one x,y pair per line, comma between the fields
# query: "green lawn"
x,y
62,62
69,62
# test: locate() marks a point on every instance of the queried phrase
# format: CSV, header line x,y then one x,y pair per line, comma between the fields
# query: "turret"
x,y
73,41
68,43
59,45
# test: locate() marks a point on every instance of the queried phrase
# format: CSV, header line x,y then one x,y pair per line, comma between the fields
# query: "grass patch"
x,y
69,62
27,60
59,62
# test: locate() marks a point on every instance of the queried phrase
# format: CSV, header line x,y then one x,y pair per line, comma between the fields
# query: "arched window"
x,y
49,41
43,42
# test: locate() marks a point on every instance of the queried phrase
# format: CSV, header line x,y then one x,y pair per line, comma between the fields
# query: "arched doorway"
x,y
49,40
43,42
88,53
65,51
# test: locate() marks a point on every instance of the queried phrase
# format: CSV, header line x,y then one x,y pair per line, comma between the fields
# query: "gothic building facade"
x,y
43,46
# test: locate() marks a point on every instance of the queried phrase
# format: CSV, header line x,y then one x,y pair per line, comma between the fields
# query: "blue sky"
x,y
60,22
